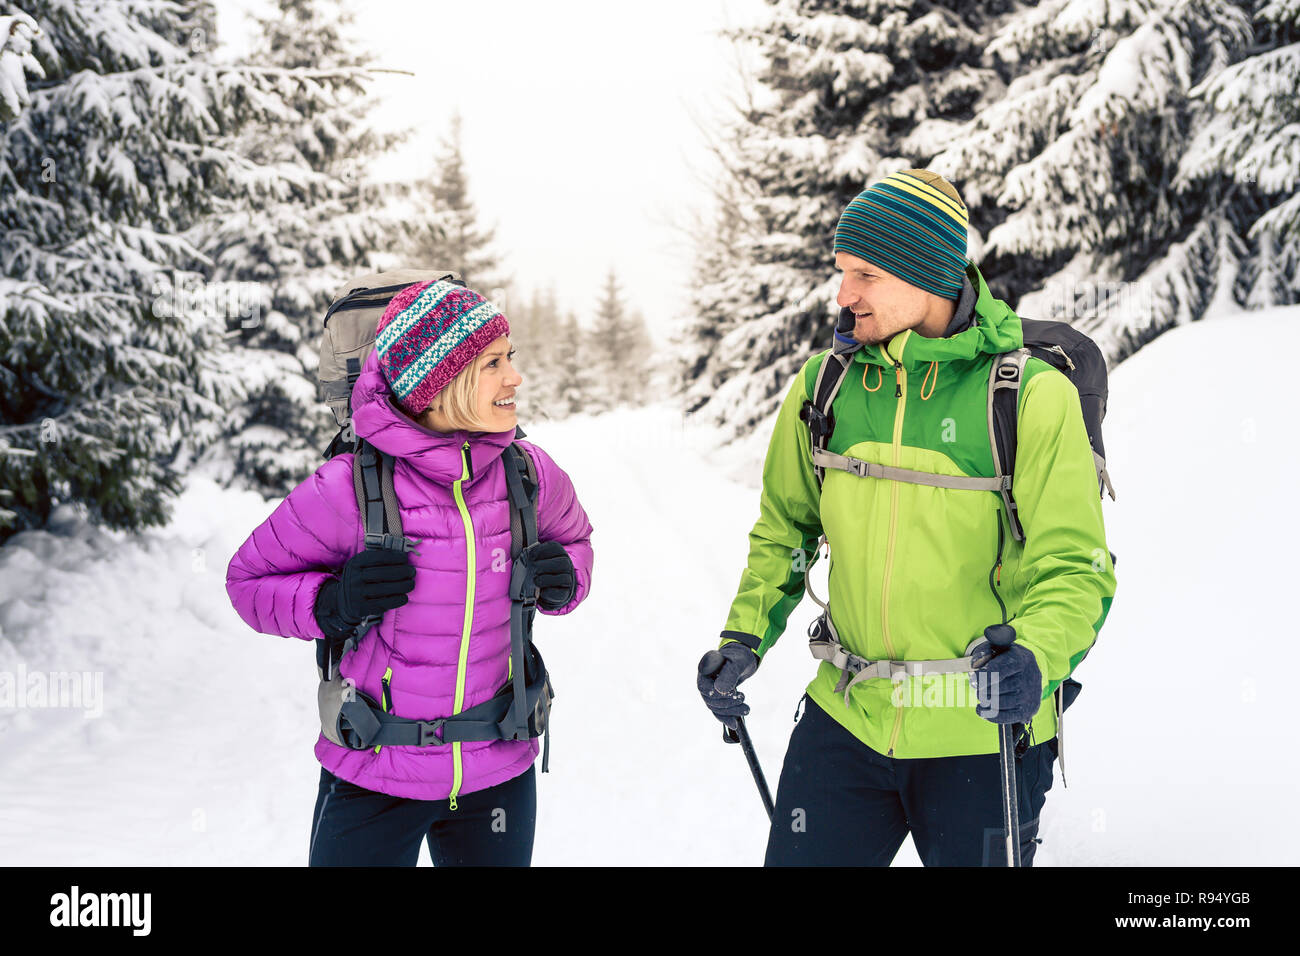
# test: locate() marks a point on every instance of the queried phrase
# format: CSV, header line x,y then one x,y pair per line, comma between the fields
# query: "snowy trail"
x,y
639,770
203,754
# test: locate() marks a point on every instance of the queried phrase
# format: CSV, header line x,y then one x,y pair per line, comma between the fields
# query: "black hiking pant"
x,y
840,803
353,826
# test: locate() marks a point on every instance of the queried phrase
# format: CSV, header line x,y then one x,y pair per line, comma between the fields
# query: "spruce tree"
x,y
296,244
451,236
845,93
578,382
1127,166
645,364
112,355
619,350
1074,174
534,334
1246,152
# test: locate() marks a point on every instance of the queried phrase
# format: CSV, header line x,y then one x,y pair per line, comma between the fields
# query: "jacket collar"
x,y
965,313
981,324
377,419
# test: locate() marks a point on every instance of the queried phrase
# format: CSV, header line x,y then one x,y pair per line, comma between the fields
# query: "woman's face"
x,y
497,381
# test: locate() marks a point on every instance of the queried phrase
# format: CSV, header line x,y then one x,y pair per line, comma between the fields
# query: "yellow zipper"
x,y
385,699
471,564
900,392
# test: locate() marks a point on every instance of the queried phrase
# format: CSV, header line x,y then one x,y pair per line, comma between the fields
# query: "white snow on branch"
x,y
16,61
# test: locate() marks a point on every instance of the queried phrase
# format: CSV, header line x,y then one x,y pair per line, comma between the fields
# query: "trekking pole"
x,y
741,735
1003,638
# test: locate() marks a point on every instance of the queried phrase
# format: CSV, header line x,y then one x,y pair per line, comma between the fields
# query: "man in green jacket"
x,y
919,571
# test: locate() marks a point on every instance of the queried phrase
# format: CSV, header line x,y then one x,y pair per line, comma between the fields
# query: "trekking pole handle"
x,y
999,637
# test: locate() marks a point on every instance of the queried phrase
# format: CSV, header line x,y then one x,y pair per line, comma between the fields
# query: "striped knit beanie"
x,y
428,334
912,224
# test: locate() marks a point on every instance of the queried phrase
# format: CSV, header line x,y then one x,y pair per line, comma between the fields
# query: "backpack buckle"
x,y
391,542
819,423
429,733
522,587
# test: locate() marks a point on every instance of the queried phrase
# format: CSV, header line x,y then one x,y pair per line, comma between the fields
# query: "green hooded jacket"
x,y
915,572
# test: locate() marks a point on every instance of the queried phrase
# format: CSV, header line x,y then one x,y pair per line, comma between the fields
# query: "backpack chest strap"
x,y
868,469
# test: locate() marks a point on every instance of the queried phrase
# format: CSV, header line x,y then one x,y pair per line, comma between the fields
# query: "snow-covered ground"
x,y
1175,753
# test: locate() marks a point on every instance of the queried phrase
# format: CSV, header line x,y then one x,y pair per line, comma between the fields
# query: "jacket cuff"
x,y
740,637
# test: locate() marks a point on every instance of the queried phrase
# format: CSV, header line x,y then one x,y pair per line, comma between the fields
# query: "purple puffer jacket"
x,y
274,578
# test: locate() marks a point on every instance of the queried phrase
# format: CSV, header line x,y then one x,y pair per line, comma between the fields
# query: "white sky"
x,y
579,132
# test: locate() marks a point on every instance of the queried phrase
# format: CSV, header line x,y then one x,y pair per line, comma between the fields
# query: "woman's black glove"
x,y
372,582
552,573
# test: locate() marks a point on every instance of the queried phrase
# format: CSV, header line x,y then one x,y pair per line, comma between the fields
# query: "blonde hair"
x,y
458,401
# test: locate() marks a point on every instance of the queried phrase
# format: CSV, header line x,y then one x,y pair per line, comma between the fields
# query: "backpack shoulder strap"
x,y
372,479
816,412
1005,376
346,438
521,484
372,482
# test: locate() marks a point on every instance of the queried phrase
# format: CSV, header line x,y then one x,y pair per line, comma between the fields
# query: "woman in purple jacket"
x,y
437,393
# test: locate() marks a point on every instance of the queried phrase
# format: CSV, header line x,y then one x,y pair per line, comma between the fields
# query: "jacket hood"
x,y
982,324
377,419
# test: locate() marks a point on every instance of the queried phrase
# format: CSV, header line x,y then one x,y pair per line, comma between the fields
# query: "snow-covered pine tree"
x,y
576,383
534,330
297,240
618,346
114,155
646,381
1074,173
1246,150
721,298
846,92
451,236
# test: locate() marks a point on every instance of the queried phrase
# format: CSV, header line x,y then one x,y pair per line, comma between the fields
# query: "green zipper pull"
x,y
453,802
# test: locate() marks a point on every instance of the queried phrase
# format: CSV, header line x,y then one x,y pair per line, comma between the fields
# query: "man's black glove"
x,y
552,573
372,582
719,673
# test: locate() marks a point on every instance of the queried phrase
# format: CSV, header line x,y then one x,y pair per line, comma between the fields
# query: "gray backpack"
x,y
350,718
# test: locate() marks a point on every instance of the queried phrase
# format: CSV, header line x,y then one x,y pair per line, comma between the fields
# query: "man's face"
x,y
883,304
